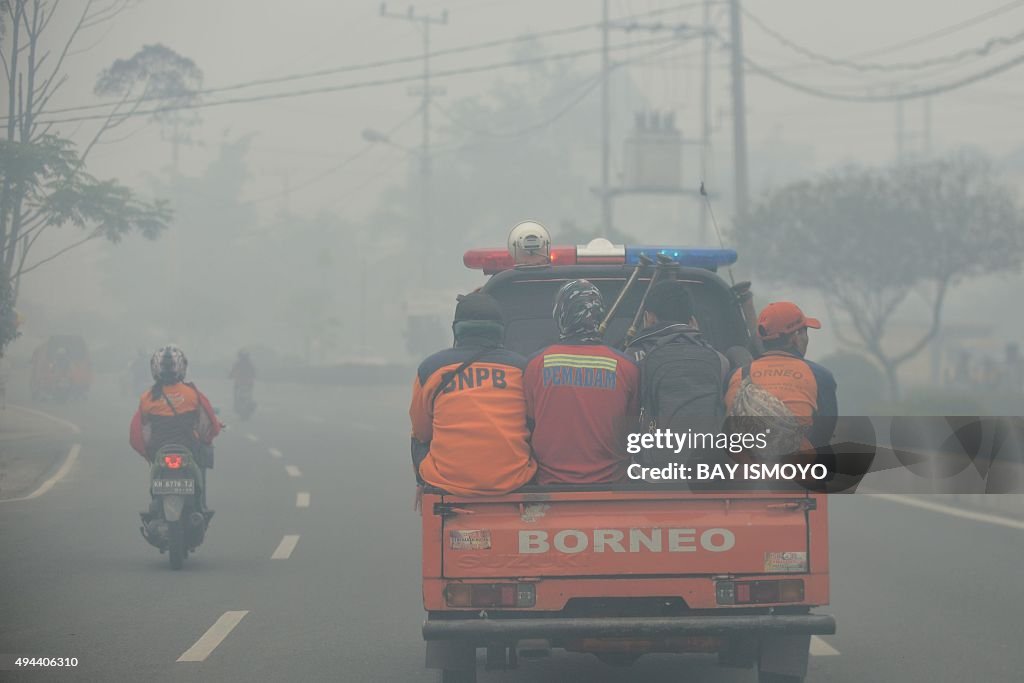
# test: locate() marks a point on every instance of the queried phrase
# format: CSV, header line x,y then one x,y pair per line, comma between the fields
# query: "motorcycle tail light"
x,y
173,461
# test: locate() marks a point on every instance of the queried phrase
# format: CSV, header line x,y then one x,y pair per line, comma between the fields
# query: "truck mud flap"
x,y
626,627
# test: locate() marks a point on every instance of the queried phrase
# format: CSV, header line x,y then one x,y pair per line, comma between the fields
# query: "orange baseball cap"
x,y
783,317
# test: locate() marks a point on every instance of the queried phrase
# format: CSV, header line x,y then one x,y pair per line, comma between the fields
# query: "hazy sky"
x,y
240,40
296,140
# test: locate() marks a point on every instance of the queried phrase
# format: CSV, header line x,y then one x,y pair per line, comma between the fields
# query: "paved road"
x,y
919,596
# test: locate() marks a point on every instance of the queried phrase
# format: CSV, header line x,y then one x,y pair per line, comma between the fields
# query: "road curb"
x,y
70,426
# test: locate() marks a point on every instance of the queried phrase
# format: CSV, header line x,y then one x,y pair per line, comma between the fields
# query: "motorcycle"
x,y
245,406
177,520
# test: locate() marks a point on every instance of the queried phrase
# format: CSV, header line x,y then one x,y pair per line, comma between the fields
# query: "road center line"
x,y
302,499
252,437
952,511
64,468
285,547
819,648
274,453
293,471
213,636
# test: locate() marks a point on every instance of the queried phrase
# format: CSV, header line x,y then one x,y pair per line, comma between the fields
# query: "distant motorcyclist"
x,y
243,372
174,411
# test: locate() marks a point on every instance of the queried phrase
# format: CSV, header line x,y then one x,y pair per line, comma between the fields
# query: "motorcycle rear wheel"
x,y
176,544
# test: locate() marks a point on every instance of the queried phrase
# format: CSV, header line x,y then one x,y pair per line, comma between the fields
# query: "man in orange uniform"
x,y
807,389
174,411
468,412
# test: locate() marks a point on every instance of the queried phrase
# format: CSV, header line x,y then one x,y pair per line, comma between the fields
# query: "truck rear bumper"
x,y
627,627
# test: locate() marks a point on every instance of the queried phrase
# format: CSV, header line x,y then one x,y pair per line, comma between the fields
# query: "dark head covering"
x,y
478,321
478,306
579,309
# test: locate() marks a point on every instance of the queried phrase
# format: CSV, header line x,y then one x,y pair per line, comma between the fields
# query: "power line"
x,y
359,84
591,85
980,51
588,86
363,66
337,167
966,23
891,97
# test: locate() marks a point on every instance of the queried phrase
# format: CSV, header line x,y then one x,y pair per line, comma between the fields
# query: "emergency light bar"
x,y
601,251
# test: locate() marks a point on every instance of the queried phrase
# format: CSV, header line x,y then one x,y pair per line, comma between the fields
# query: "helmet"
x,y
529,243
579,308
168,364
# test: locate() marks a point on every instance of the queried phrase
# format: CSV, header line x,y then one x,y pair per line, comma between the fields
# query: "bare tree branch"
x,y
932,330
83,50
56,254
67,47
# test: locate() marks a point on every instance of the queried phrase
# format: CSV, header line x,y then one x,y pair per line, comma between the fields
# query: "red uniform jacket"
x,y
583,399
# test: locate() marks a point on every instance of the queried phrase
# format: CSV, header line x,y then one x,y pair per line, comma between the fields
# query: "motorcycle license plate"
x,y
179,487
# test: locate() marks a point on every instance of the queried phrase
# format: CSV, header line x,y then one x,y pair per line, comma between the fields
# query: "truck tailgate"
x,y
610,533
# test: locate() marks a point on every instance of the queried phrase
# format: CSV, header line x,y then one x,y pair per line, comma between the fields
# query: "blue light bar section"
x,y
691,257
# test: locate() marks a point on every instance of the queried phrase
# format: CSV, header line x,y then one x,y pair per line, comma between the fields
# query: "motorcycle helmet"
x,y
168,365
529,243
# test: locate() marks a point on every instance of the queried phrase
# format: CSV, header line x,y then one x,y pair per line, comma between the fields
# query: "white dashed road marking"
x,y
252,437
293,471
285,547
274,453
819,648
213,637
302,499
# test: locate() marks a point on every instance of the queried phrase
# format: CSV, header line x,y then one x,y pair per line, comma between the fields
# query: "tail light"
x,y
173,461
759,592
491,595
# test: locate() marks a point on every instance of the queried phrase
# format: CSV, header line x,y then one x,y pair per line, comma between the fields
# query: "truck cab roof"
x,y
527,295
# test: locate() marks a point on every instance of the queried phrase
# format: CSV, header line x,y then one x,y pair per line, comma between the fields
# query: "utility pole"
x,y
426,94
606,199
739,111
705,137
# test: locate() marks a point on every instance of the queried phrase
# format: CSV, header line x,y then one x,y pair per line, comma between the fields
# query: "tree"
x,y
867,239
43,179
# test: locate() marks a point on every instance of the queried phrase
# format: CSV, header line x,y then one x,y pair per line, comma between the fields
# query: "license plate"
x,y
181,487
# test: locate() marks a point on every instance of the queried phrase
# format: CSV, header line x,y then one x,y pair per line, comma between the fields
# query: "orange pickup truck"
x,y
621,571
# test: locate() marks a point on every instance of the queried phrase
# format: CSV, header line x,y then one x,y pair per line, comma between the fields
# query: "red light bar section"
x,y
495,259
488,260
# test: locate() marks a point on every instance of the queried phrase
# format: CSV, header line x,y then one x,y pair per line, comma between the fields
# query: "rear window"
x,y
529,327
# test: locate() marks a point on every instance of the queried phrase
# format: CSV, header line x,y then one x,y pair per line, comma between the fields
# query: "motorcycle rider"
x,y
174,411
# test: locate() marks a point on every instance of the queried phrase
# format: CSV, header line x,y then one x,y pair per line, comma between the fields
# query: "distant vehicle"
x,y
61,369
622,570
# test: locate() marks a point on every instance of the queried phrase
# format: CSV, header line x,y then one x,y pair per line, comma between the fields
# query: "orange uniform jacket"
x,y
476,428
806,388
155,424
